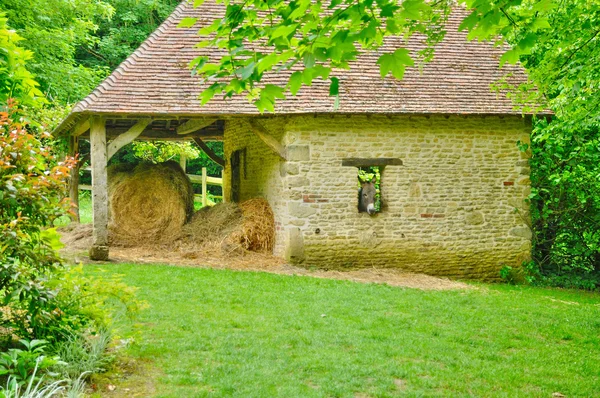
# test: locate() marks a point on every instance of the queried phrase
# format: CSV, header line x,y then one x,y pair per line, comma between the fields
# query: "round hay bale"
x,y
148,204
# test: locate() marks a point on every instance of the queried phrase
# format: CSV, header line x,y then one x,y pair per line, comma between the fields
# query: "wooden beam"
x,y
194,125
127,137
366,162
261,132
99,249
209,152
81,128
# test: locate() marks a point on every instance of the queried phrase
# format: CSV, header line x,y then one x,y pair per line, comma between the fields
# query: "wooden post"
x,y
183,161
204,198
99,249
74,182
223,197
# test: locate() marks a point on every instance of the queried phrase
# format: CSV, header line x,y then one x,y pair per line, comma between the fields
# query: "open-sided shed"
x,y
453,181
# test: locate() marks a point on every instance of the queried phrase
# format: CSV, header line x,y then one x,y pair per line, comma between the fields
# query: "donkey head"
x,y
366,196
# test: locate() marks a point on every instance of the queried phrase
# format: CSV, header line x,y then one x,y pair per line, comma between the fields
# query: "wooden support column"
x,y
99,249
223,186
74,181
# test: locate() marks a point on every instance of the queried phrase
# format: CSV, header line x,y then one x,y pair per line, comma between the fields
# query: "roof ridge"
x,y
110,80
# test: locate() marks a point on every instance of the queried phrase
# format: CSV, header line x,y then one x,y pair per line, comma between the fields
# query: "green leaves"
x,y
187,22
395,63
16,81
334,91
524,46
301,37
306,77
295,82
268,95
283,31
210,92
414,9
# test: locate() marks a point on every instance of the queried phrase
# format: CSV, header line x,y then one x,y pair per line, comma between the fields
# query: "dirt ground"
x,y
77,239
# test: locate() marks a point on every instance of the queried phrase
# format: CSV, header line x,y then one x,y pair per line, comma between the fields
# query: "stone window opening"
x,y
369,177
369,189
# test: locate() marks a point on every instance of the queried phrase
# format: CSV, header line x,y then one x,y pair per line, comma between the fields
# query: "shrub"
x,y
566,204
20,367
31,197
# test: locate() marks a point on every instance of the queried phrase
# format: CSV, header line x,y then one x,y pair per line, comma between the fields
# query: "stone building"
x,y
453,182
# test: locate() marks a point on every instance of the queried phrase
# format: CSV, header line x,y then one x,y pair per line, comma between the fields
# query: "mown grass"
x,y
245,334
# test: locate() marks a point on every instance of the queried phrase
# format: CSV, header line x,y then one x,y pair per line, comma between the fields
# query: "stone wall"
x,y
260,170
455,207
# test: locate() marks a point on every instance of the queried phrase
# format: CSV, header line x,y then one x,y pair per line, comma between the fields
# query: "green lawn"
x,y
246,334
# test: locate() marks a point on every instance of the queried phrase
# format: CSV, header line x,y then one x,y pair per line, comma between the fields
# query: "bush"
x,y
20,367
31,197
565,170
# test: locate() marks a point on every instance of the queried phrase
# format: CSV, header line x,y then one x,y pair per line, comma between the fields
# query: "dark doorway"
x,y
236,163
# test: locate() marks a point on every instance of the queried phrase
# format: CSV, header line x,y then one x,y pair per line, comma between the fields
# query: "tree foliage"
x,y
558,43
75,44
16,81
55,31
312,40
132,22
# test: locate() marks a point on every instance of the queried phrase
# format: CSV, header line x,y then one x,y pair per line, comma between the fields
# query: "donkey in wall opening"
x,y
366,196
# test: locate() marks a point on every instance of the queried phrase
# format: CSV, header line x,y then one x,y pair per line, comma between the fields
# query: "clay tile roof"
x,y
155,79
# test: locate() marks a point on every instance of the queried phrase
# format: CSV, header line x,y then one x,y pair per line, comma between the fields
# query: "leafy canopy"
x,y
16,81
318,39
310,39
55,31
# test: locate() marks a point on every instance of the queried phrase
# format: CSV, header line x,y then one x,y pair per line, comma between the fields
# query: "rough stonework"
x,y
456,206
